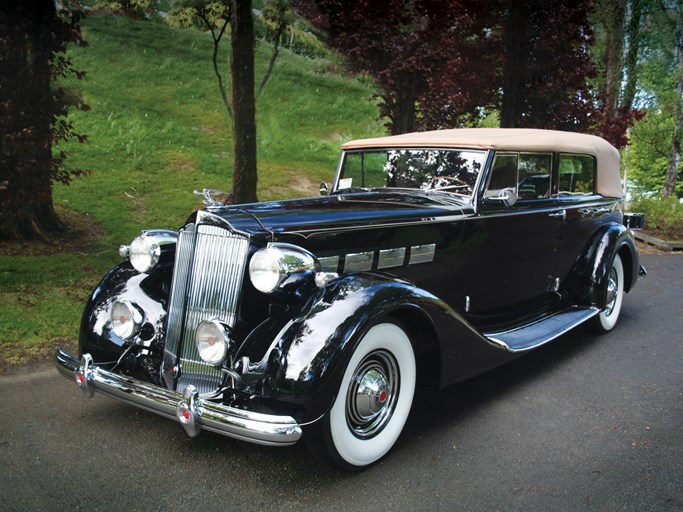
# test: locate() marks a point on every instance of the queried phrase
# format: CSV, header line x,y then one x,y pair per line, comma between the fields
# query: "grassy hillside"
x,y
157,131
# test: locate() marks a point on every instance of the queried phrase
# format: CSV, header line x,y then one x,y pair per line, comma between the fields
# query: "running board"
x,y
542,331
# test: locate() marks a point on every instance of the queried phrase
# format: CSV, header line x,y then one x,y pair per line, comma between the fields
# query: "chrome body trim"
x,y
391,257
422,253
308,233
266,429
462,217
329,263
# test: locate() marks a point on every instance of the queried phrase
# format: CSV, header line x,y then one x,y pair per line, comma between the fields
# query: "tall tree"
x,y
633,37
618,29
426,55
244,176
239,100
545,49
441,63
33,40
653,158
674,17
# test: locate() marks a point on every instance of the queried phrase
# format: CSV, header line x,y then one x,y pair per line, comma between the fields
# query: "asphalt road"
x,y
585,423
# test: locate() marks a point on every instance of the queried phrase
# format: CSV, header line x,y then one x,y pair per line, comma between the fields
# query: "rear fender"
x,y
588,277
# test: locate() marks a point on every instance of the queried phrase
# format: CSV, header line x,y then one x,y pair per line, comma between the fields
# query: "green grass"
x,y
157,131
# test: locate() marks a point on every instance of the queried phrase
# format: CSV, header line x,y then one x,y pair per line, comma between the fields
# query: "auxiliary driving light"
x,y
213,341
126,319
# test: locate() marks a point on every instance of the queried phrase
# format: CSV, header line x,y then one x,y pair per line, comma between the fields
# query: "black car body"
x,y
436,256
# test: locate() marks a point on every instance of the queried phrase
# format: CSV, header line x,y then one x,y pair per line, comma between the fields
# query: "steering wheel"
x,y
457,183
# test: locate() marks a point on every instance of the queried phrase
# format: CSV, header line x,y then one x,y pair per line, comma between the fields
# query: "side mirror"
x,y
507,197
324,189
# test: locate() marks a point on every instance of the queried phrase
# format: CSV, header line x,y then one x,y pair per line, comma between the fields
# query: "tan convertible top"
x,y
512,139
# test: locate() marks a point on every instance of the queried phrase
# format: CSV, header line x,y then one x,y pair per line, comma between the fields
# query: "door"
x,y
512,249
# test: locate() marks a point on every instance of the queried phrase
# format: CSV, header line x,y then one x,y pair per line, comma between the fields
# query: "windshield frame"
x,y
472,197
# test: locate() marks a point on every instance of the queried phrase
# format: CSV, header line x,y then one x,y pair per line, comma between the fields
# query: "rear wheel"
x,y
374,398
614,295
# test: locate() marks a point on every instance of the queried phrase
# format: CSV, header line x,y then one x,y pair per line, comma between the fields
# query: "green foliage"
x,y
663,216
198,13
157,131
652,137
648,154
134,8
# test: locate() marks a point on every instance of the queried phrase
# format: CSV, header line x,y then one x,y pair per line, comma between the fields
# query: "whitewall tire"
x,y
614,295
374,398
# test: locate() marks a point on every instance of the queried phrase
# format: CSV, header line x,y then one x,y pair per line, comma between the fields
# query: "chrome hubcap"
x,y
612,288
372,395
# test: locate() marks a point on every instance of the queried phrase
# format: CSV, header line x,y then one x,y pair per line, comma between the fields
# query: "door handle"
x,y
560,213
593,212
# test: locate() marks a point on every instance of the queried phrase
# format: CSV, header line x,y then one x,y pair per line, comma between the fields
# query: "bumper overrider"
x,y
193,412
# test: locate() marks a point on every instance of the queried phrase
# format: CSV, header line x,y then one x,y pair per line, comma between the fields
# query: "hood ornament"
x,y
214,197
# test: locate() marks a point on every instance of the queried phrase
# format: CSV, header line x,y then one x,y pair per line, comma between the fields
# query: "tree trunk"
x,y
26,207
633,33
614,25
404,105
515,64
675,149
243,103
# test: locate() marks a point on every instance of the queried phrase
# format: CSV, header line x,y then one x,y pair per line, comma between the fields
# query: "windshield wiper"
x,y
447,196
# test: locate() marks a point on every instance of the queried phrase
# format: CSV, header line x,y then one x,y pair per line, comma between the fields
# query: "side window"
x,y
534,175
577,175
503,174
528,174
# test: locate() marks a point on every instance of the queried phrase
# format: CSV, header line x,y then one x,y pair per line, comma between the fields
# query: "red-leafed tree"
x,y
426,55
545,49
440,63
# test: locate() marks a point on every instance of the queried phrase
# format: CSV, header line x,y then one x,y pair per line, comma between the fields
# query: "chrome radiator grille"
x,y
207,282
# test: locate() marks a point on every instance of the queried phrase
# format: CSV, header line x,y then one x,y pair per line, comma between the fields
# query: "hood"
x,y
341,211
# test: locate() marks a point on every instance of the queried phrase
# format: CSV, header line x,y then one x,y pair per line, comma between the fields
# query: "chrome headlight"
x,y
126,319
271,266
213,341
145,251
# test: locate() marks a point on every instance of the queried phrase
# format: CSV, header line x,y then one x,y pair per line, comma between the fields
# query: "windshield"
x,y
424,169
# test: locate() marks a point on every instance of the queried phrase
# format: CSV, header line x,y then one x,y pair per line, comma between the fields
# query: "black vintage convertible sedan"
x,y
433,257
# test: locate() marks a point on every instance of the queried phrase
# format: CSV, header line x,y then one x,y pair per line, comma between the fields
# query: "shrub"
x,y
664,216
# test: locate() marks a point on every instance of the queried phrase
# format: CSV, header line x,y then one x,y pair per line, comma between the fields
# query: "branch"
x,y
273,56
216,70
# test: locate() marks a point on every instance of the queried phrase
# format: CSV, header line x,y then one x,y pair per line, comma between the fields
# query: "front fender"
x,y
314,350
123,282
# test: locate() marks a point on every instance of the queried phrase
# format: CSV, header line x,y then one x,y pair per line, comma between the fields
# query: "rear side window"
x,y
528,174
577,175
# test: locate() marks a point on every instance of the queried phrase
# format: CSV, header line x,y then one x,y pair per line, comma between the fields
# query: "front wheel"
x,y
374,398
614,295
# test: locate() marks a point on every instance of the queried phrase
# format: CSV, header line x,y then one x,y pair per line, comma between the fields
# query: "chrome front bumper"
x,y
192,412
